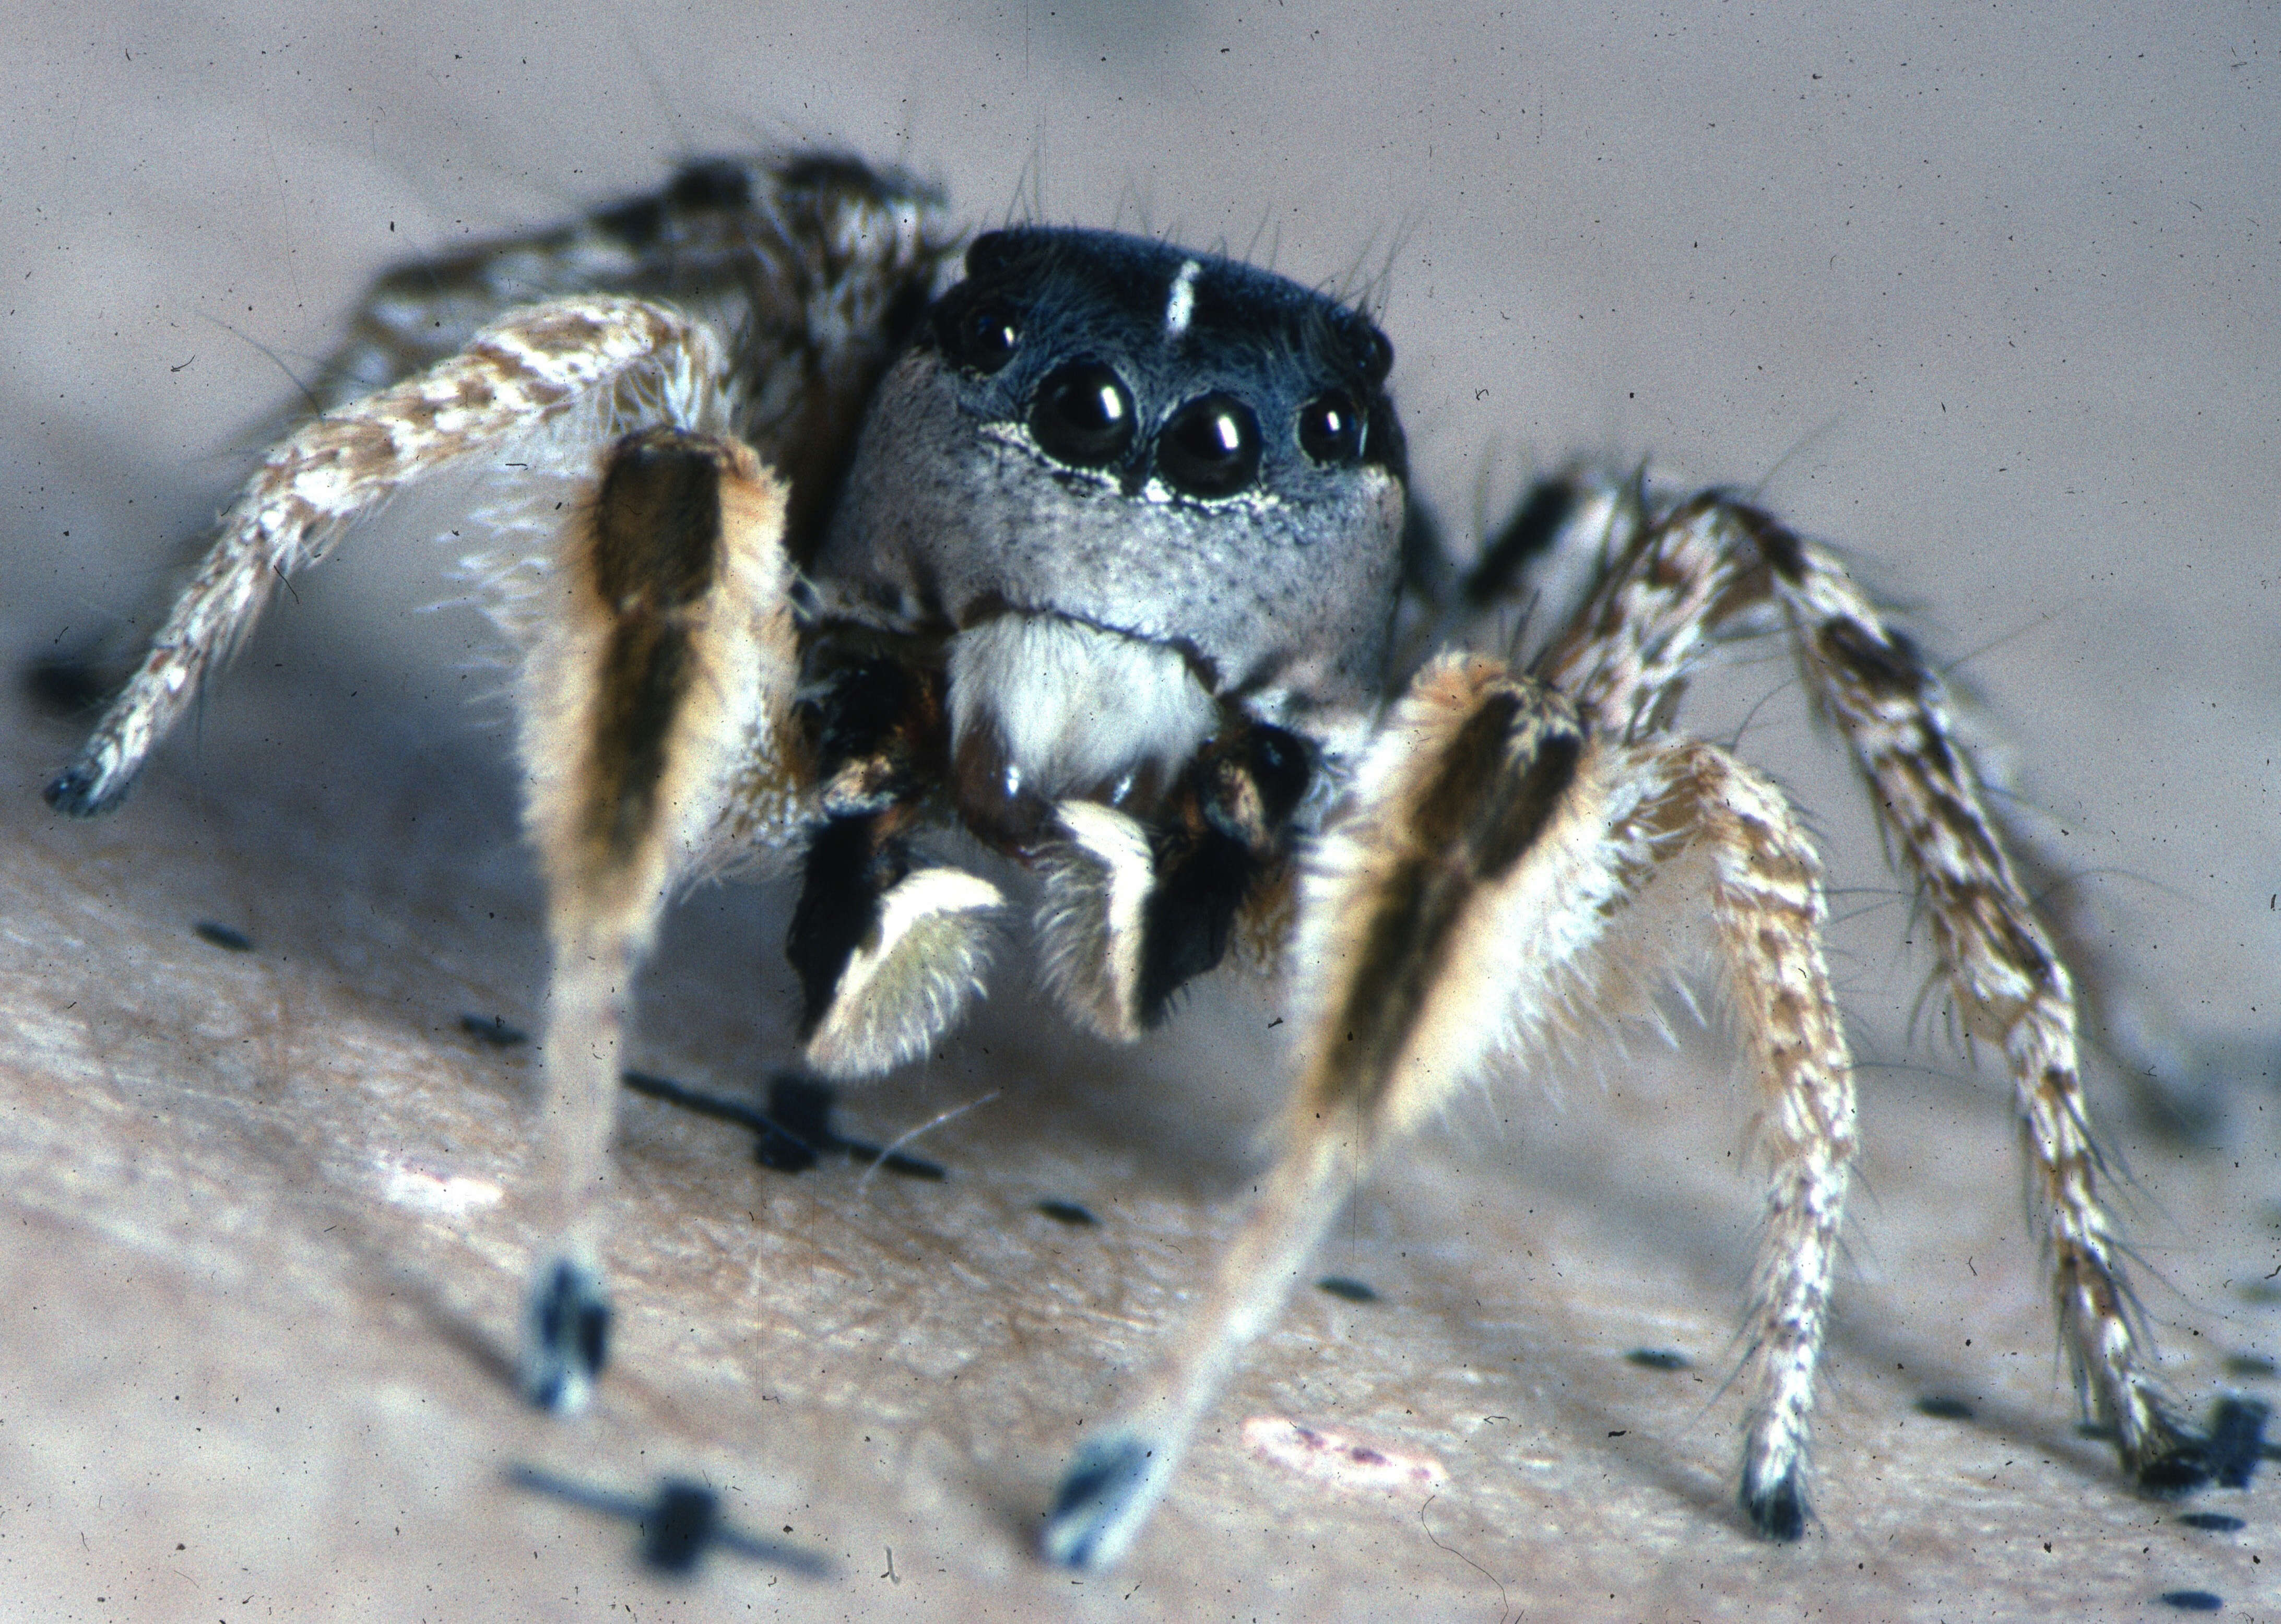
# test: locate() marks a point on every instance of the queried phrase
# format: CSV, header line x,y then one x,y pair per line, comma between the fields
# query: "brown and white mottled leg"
x,y
654,689
1713,561
548,387
1464,905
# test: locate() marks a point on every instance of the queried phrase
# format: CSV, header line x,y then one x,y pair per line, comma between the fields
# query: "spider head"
x,y
1159,443
1100,439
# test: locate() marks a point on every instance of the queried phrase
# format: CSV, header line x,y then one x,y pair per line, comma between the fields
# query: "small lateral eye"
x,y
1210,447
1082,414
1331,428
983,336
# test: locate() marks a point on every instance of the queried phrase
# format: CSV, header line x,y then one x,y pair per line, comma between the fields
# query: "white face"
x,y
1191,467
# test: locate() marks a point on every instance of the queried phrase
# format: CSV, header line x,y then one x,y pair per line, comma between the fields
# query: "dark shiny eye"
x,y
1210,447
1330,429
982,337
1083,415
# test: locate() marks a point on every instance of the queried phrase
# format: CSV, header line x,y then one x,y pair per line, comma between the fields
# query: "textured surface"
x,y
1998,299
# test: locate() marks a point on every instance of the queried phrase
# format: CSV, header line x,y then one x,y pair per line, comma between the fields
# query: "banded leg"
x,y
1712,563
549,385
649,699
1463,906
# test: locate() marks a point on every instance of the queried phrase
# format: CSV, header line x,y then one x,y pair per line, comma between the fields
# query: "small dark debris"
x,y
1658,1358
2252,1365
679,1524
1944,1409
1067,1212
2192,1601
2213,1522
222,936
493,1030
1347,1290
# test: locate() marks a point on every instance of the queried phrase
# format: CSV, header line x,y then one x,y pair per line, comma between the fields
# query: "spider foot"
x,y
1105,1496
2177,1459
1777,1510
566,1337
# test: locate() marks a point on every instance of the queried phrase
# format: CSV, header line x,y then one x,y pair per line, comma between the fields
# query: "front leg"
x,y
1463,908
653,700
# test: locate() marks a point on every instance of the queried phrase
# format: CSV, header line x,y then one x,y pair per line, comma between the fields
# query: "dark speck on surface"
x,y
2212,1522
1944,1409
493,1029
1352,1291
2192,1601
1658,1358
222,936
1067,1212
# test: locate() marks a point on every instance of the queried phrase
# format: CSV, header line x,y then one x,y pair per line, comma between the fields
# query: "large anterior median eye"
x,y
1330,429
1210,447
1083,415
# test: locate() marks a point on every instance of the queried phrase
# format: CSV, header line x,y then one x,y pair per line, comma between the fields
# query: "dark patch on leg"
x,y
1473,822
1067,1212
1944,1409
711,183
1889,669
222,936
1185,921
2255,1366
1784,554
849,868
1102,1479
1346,1290
1222,833
2192,1601
637,222
656,552
1530,533
569,1334
1778,1510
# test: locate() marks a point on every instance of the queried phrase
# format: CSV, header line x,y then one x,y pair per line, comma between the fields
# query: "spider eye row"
x,y
1082,413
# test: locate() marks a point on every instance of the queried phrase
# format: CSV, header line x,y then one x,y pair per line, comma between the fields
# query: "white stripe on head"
x,y
1182,305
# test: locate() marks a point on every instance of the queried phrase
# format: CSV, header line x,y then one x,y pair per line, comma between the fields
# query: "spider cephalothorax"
x,y
816,545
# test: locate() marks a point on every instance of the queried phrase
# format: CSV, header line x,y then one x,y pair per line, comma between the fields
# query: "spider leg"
x,y
652,698
547,386
658,664
1463,906
1712,561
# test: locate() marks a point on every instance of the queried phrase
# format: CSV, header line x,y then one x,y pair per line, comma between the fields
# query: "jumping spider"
x,y
1104,550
